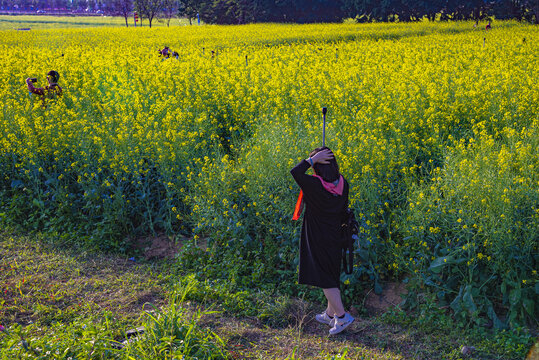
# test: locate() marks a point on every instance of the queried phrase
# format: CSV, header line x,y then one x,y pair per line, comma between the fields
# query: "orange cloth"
x,y
299,206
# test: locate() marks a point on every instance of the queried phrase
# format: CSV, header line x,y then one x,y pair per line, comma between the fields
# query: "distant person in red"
x,y
488,27
50,90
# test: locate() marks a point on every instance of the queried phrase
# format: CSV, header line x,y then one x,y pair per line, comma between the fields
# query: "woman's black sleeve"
x,y
298,173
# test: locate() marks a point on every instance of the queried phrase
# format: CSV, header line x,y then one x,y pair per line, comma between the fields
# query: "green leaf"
x,y
514,297
429,282
437,264
363,255
467,299
512,316
456,304
377,287
494,317
410,301
529,306
37,203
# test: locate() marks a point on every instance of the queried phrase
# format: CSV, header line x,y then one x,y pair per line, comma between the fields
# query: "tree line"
x,y
307,11
297,11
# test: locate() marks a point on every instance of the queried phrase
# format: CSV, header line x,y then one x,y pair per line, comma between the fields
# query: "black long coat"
x,y
320,249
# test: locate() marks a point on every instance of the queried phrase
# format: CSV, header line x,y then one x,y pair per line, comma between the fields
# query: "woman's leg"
x,y
329,310
334,301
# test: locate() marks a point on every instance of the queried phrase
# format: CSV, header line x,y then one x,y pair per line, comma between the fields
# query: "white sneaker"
x,y
324,319
341,324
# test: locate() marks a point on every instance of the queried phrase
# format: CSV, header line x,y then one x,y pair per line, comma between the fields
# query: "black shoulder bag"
x,y
350,229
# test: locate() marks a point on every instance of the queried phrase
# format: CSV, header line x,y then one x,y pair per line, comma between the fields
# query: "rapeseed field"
x,y
435,126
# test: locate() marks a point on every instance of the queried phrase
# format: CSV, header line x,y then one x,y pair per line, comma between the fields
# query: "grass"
x,y
39,283
9,22
53,292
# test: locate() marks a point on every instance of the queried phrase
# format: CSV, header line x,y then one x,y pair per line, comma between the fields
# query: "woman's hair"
x,y
328,172
54,76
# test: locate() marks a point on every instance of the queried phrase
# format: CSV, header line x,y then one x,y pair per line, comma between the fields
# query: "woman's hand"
x,y
322,157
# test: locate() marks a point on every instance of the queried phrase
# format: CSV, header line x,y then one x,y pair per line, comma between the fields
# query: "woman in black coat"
x,y
325,195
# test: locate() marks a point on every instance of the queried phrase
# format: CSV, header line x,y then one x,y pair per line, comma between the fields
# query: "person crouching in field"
x,y
165,53
51,91
325,196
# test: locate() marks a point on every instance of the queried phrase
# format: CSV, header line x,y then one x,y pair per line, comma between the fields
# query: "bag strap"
x,y
348,266
348,244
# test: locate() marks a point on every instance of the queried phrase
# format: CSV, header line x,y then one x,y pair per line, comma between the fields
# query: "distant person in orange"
x,y
50,90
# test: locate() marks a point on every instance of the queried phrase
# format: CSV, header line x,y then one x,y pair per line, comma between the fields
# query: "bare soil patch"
x,y
389,298
161,246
